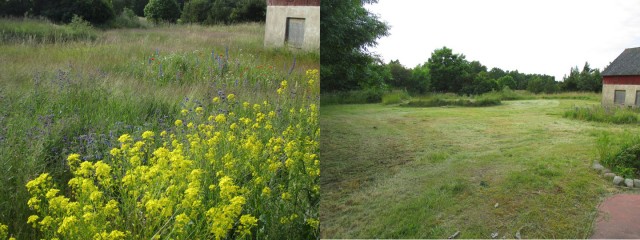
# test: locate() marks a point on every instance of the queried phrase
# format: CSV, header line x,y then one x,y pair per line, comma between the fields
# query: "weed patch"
x,y
603,114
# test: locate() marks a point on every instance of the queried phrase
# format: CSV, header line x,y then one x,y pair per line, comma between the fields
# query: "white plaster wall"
x,y
276,25
608,92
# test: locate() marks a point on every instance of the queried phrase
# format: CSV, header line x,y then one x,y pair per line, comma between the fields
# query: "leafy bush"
x,y
162,10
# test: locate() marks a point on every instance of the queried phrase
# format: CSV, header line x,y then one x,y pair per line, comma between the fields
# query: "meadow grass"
x,y
63,97
444,99
396,172
597,113
42,31
395,97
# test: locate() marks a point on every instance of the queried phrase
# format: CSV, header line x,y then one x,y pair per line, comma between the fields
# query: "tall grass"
x,y
597,113
394,97
42,31
62,97
438,102
620,153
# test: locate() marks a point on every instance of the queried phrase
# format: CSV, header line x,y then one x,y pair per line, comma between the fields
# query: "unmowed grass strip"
x,y
395,97
440,102
41,31
597,113
80,96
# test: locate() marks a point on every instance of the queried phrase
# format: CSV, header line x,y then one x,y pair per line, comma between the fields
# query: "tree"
x,y
250,11
590,79
497,73
221,11
449,72
138,6
195,11
481,83
94,11
420,79
400,75
506,81
162,10
476,67
570,83
16,8
542,84
348,30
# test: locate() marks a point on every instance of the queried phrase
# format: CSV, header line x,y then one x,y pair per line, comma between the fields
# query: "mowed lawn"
x,y
396,172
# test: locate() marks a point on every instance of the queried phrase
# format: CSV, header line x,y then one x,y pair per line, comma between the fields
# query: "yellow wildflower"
x,y
125,138
31,220
148,135
246,223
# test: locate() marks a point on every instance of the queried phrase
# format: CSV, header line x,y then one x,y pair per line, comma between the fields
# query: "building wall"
x,y
276,25
608,91
293,2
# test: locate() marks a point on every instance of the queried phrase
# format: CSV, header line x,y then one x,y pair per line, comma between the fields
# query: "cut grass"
x,y
392,172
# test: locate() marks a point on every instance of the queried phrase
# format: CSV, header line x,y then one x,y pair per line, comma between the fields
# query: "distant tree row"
x,y
446,71
102,11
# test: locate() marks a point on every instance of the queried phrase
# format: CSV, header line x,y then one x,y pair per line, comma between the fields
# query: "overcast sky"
x,y
532,36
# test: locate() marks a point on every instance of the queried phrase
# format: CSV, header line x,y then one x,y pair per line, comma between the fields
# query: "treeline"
x,y
102,12
446,71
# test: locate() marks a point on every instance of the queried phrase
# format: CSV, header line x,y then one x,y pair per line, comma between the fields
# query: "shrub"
x,y
395,97
162,10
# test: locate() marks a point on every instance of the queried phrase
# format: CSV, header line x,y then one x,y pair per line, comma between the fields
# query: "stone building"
x,y
621,80
293,23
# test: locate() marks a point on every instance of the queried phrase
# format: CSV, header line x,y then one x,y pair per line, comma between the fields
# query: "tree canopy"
x,y
348,30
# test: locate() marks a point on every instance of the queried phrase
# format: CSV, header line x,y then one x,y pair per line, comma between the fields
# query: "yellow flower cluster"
x,y
251,171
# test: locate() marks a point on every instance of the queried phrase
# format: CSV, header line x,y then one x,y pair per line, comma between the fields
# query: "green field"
x,y
399,172
116,97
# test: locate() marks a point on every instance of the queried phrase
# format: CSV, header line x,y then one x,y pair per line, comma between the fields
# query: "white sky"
x,y
532,36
